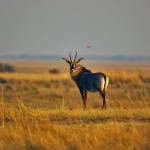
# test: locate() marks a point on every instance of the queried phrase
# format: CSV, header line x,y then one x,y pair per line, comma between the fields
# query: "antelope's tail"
x,y
106,83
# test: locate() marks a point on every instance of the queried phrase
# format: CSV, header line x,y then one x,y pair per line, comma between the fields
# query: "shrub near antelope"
x,y
87,81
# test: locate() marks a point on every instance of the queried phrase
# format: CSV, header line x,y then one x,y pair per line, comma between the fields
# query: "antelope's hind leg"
x,y
104,99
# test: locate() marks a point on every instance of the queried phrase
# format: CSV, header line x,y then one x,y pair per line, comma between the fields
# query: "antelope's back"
x,y
95,82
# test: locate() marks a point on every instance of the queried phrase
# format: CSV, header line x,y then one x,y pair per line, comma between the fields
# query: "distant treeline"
x,y
6,68
94,57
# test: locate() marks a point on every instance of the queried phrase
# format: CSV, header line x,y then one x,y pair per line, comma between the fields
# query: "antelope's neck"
x,y
76,72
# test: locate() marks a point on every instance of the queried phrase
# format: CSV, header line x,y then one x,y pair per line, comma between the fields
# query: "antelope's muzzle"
x,y
72,69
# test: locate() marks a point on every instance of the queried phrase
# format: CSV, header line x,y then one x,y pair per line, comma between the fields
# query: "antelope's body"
x,y
88,81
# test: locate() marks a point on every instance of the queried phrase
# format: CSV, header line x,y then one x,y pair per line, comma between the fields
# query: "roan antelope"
x,y
87,81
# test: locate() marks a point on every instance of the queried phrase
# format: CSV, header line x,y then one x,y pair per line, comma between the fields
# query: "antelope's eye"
x,y
74,66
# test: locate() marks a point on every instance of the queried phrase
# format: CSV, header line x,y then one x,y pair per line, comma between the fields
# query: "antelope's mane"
x,y
86,70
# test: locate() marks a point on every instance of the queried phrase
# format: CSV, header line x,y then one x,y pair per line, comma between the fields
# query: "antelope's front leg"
x,y
84,97
85,100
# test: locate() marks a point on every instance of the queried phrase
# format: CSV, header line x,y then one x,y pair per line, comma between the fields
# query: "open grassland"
x,y
42,110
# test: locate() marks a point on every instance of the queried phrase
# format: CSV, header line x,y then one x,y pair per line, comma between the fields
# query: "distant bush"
x,y
3,81
54,71
6,68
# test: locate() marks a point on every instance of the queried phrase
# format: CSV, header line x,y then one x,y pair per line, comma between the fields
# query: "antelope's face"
x,y
74,63
72,67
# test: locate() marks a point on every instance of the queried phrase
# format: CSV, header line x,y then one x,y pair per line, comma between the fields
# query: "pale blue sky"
x,y
111,27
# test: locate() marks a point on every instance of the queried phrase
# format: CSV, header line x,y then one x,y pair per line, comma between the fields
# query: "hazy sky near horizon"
x,y
110,27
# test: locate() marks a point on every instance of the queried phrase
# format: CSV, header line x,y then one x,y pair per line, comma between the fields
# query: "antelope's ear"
x,y
67,61
79,60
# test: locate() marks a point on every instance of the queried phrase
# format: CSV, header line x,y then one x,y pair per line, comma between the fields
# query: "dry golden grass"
x,y
44,111
34,76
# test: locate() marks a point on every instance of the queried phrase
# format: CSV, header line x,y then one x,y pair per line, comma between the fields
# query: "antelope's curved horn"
x,y
70,56
75,57
66,60
79,60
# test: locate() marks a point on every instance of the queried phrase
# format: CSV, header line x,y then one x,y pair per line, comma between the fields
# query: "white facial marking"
x,y
72,70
